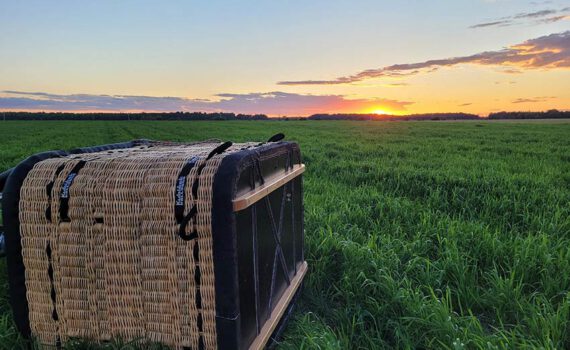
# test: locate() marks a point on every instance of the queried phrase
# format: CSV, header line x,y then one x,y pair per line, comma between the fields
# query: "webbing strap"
x,y
185,220
49,188
180,194
64,193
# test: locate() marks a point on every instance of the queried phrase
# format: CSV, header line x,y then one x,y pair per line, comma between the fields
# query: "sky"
x,y
293,58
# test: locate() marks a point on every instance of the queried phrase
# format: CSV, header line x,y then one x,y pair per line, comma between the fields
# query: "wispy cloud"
x,y
511,71
541,2
465,104
534,99
397,84
535,17
546,52
511,82
535,14
501,23
555,19
271,103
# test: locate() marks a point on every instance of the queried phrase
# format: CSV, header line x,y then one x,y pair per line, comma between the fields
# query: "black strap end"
x,y
277,137
220,149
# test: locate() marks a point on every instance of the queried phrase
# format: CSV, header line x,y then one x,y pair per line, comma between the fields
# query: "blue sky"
x,y
202,50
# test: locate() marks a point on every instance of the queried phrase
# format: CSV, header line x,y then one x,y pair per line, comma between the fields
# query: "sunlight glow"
x,y
381,111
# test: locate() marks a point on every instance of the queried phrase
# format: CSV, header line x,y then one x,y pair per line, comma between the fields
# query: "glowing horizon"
x,y
293,59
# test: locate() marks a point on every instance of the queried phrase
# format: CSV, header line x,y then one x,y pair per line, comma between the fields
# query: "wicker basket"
x,y
192,245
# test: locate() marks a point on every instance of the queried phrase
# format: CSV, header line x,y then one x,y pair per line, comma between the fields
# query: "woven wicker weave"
x,y
112,264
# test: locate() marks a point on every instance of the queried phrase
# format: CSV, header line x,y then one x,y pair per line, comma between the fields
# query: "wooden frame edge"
x,y
261,340
270,185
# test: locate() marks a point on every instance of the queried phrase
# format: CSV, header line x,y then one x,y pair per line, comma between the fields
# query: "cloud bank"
x,y
546,52
271,103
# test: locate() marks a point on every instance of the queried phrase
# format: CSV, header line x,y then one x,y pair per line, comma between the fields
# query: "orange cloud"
x,y
546,52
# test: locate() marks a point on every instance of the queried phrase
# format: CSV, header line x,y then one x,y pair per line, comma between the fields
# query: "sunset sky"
x,y
291,58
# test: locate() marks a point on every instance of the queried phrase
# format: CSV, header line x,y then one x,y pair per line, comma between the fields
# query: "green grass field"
x,y
418,234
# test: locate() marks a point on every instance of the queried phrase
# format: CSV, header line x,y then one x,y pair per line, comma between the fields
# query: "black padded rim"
x,y
225,240
3,177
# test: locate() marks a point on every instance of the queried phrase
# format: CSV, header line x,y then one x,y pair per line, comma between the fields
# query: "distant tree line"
x,y
551,114
129,116
428,116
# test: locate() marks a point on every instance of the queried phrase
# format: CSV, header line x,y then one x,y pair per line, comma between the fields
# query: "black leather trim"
x,y
3,177
10,213
225,252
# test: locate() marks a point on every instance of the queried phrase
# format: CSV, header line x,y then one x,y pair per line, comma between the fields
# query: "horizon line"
x,y
276,117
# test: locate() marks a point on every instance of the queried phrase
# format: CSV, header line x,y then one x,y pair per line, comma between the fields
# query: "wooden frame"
x,y
270,185
277,312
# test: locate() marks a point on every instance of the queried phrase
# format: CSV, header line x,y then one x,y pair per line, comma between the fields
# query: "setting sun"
x,y
381,111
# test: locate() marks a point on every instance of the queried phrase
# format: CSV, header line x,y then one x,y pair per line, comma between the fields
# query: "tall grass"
x,y
418,235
